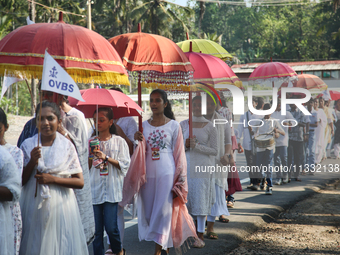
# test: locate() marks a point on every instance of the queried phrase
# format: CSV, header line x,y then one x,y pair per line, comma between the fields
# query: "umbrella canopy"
x,y
207,47
84,54
154,60
121,104
330,95
212,70
307,81
274,72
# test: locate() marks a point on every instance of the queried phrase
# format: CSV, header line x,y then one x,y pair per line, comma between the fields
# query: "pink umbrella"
x,y
121,104
274,72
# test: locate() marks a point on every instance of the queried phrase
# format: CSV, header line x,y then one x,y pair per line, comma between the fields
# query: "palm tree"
x,y
156,15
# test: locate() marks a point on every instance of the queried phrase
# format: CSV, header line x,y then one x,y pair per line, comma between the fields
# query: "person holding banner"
x,y
73,127
50,214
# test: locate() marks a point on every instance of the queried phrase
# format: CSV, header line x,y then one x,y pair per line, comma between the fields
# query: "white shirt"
x,y
283,139
108,188
81,115
267,127
129,127
242,130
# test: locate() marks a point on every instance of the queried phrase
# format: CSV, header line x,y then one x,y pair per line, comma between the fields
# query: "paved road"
x,y
252,210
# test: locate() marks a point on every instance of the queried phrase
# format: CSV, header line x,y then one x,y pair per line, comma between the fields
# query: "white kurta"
x,y
201,183
320,135
51,221
18,157
11,180
155,196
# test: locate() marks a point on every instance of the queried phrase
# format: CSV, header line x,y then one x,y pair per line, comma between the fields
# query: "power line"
x,y
249,3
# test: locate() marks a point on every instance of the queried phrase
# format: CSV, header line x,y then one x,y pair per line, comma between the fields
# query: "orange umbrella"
x,y
154,61
308,81
84,54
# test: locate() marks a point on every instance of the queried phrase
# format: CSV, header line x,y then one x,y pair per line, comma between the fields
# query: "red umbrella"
x,y
121,104
154,61
84,54
307,81
274,72
330,95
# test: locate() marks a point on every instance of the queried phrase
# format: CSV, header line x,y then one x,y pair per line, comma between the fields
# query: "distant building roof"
x,y
297,66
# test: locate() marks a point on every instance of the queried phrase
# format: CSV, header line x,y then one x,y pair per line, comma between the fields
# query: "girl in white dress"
x,y
9,192
50,214
18,157
107,182
200,152
163,137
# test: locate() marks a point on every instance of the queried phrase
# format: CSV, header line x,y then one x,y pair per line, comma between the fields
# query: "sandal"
x,y
224,220
230,204
212,235
198,243
109,251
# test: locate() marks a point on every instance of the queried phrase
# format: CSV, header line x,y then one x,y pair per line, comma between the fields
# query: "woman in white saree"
x,y
50,214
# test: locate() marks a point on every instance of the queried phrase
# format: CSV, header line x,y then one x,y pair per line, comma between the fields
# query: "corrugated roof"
x,y
297,66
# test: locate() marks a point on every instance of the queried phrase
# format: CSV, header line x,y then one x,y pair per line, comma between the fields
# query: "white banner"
x,y
8,81
56,79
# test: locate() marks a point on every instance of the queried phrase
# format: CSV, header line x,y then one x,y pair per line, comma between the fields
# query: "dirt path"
x,y
312,226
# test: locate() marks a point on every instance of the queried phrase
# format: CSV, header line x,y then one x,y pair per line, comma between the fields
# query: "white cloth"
x,y
242,130
267,128
220,206
201,185
320,135
283,139
76,112
18,157
76,130
155,196
12,181
227,114
129,127
51,221
108,188
223,138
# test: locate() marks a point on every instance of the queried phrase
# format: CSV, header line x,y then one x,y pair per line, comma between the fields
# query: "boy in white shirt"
x,y
264,156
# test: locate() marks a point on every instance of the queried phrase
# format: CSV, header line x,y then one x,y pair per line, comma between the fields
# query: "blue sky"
x,y
180,2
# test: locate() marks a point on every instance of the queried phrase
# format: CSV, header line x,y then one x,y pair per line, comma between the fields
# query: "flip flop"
x,y
224,220
108,251
212,235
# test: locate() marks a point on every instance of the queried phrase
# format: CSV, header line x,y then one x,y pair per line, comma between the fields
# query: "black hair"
x,y
3,117
197,97
260,102
167,111
108,114
266,106
116,89
52,105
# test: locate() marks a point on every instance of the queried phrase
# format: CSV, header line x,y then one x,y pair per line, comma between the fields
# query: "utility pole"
x,y
89,25
33,85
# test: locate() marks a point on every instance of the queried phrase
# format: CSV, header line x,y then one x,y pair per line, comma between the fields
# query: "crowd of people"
x,y
294,144
75,182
